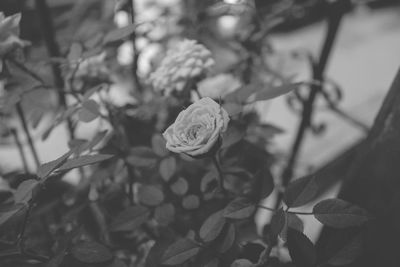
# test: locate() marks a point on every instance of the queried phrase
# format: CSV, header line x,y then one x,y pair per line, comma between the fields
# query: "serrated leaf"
x,y
191,202
228,239
150,195
167,168
164,214
46,169
348,253
130,219
180,187
89,111
338,213
142,156
119,34
212,226
83,161
301,249
301,191
91,252
239,208
24,192
180,251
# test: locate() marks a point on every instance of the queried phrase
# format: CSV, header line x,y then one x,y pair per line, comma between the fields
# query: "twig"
x,y
27,133
20,149
287,210
54,52
220,178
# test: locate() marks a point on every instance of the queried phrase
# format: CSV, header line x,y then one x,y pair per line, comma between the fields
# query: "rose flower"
x,y
197,129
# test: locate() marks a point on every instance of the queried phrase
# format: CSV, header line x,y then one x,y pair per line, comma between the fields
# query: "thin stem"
x,y
287,210
20,149
134,50
308,107
27,133
220,178
54,52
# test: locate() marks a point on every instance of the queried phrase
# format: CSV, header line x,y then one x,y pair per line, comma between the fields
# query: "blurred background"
x,y
358,40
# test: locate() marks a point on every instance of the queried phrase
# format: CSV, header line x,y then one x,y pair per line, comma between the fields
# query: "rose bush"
x,y
198,128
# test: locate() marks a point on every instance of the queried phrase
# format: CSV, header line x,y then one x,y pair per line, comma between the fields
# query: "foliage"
x,y
139,204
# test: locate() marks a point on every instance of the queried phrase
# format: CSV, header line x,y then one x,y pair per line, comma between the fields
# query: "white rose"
x,y
197,129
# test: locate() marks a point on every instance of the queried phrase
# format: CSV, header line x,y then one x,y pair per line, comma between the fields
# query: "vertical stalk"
x,y
220,178
308,107
54,51
135,51
32,147
20,149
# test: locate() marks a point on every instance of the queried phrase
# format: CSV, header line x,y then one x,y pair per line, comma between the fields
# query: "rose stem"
x,y
220,178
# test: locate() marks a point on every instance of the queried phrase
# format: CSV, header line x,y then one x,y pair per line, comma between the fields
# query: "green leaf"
x,y
232,135
180,187
348,253
301,191
228,239
301,249
191,202
24,192
208,180
264,183
242,263
89,111
277,224
142,156
213,263
75,52
241,95
274,91
91,252
158,144
167,168
150,195
239,208
180,251
293,221
93,90
83,161
7,213
119,34
338,213
46,169
212,226
233,109
130,219
164,214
